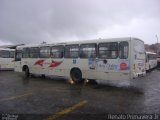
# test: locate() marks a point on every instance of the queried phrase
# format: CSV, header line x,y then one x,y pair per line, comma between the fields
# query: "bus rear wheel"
x,y
27,74
76,75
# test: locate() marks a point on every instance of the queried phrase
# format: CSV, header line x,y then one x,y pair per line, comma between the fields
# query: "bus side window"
x,y
57,51
12,53
123,50
34,52
26,52
88,50
44,52
18,55
108,50
149,57
4,54
72,51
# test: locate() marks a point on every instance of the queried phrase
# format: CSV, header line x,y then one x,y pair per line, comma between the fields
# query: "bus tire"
x,y
76,75
27,74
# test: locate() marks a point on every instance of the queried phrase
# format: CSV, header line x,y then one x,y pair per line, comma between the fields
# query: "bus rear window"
x,y
139,46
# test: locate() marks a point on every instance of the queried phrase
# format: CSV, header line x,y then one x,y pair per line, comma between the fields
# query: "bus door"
x,y
17,64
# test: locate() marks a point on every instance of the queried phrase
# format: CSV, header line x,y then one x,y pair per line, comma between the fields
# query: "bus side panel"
x,y
96,68
147,66
81,64
105,69
17,66
6,63
56,67
32,64
114,69
33,67
152,63
146,62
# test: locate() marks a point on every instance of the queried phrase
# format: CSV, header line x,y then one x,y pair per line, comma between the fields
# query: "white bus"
x,y
100,59
7,59
151,60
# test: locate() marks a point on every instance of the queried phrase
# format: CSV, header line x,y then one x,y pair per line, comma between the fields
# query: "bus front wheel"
x,y
76,75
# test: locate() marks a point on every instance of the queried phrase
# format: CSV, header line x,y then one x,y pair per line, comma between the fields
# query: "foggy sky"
x,y
35,21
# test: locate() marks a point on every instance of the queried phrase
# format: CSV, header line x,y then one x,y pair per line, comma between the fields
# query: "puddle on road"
x,y
119,86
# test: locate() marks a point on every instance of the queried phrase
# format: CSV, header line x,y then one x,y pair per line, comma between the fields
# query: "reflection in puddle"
x,y
111,86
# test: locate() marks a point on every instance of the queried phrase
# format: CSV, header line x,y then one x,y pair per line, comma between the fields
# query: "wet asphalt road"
x,y
39,98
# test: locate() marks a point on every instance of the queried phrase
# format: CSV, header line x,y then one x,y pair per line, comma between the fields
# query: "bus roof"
x,y
82,42
8,49
147,52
